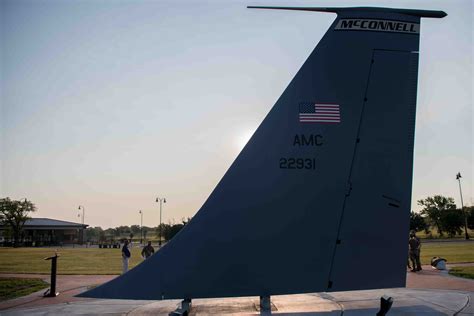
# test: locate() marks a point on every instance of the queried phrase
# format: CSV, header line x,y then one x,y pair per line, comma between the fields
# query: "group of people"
x,y
147,252
414,247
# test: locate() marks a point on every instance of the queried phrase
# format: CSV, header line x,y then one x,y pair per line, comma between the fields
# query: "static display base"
x,y
183,309
265,305
385,305
48,293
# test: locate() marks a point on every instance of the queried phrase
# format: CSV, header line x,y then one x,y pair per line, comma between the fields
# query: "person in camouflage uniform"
x,y
414,246
147,251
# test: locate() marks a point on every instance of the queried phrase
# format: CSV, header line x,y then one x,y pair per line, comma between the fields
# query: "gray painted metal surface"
x,y
307,206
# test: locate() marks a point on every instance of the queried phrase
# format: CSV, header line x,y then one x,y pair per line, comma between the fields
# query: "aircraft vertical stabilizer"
x,y
323,187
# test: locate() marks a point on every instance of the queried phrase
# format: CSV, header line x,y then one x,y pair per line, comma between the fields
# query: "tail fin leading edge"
x,y
322,187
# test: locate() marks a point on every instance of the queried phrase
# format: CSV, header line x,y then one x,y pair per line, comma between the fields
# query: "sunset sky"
x,y
110,104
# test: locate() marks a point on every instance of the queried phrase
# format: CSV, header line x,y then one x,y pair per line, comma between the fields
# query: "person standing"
x,y
125,256
147,251
414,246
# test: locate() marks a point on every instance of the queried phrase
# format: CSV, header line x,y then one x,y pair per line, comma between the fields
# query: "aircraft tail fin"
x,y
323,187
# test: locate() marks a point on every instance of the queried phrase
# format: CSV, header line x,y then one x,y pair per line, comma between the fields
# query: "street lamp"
x,y
83,211
141,226
458,177
161,200
79,215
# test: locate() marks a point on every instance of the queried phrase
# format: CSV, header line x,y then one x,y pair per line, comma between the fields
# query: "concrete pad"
x,y
406,302
95,307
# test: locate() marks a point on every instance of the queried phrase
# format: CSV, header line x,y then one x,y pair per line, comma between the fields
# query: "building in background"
x,y
46,232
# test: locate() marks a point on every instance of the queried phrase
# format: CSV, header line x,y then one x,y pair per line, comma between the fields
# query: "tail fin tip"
x,y
414,12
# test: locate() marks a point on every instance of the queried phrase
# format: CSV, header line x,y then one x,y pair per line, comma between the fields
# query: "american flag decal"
x,y
319,113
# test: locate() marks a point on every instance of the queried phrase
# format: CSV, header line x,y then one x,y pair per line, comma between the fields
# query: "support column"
x,y
265,303
184,308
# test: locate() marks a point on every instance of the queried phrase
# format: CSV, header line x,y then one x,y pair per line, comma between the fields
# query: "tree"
x,y
452,221
13,214
417,222
110,234
433,208
94,233
135,229
123,230
147,229
470,216
161,231
102,236
170,230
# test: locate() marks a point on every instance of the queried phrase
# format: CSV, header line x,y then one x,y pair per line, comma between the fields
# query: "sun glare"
x,y
243,138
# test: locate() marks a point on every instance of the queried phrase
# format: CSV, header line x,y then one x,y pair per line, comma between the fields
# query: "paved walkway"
x,y
429,292
67,285
430,278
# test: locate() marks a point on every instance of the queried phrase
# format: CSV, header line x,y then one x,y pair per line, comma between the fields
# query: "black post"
x,y
52,291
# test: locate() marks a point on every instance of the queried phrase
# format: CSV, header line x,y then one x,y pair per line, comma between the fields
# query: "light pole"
x,y
161,200
141,226
79,215
458,177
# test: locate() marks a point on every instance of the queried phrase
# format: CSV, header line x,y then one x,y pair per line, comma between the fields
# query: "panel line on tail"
x,y
348,193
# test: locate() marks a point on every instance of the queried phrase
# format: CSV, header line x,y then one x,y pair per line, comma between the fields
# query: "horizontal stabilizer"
x,y
419,13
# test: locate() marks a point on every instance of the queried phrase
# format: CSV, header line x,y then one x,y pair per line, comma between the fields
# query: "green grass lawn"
x,y
463,272
12,287
109,261
71,260
452,251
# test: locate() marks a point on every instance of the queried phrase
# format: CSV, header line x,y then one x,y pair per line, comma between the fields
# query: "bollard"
x,y
51,292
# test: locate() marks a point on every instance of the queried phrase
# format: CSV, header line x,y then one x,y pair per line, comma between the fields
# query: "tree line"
x,y
135,232
14,214
440,213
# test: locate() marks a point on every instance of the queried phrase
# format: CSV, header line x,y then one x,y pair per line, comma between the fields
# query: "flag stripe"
x,y
320,115
320,119
319,122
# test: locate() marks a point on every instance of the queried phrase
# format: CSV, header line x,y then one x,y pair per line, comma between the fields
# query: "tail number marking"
x,y
298,163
